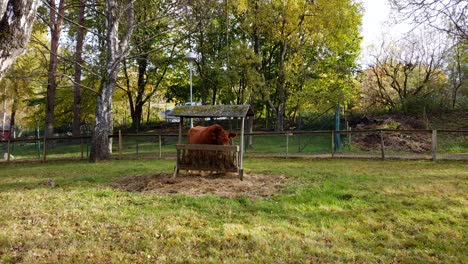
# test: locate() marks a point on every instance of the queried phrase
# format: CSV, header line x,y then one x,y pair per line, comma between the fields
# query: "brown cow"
x,y
212,135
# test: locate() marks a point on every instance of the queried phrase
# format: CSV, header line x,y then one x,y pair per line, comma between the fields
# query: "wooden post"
x,y
333,143
81,147
241,165
137,147
160,144
382,146
287,143
8,149
44,149
120,144
349,135
180,130
176,168
251,124
434,145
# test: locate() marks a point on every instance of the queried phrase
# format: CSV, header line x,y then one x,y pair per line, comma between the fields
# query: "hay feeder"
x,y
211,157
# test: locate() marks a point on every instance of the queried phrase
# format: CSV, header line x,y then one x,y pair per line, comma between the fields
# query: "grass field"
x,y
336,211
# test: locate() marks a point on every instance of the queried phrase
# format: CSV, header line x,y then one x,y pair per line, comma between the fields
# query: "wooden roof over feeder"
x,y
212,111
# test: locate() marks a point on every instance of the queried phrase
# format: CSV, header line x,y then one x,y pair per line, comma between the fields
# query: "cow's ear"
x,y
232,135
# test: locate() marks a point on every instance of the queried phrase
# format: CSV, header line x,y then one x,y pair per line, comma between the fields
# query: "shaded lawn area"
x,y
336,211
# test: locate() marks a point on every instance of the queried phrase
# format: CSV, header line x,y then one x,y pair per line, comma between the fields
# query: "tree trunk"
x,y
16,22
103,128
55,25
136,116
77,77
148,114
281,89
14,107
116,50
137,113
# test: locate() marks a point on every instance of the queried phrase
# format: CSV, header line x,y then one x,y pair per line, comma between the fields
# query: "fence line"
x,y
291,138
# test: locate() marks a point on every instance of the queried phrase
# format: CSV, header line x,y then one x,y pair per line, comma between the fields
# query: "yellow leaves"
x,y
241,5
323,75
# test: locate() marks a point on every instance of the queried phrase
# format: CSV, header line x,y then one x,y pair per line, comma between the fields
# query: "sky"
x,y
377,24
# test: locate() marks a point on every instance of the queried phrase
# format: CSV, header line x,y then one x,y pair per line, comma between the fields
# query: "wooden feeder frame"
x,y
221,158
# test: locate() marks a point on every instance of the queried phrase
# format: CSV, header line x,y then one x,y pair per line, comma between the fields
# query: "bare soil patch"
x,y
397,141
253,185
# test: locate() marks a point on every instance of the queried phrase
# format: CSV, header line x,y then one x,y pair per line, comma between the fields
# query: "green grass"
x,y
306,144
337,211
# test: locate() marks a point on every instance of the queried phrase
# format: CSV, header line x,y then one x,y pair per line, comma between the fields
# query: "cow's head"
x,y
220,137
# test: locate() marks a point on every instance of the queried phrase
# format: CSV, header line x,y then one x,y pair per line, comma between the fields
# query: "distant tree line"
x,y
99,61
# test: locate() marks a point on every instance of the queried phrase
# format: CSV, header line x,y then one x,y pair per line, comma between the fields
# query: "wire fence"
x,y
368,144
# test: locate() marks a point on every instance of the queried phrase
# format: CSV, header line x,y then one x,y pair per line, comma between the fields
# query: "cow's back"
x,y
214,135
199,135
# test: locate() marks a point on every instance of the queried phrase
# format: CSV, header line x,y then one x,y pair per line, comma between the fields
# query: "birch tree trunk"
x,y
16,21
116,49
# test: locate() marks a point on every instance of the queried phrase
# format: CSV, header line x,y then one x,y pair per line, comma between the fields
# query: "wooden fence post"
x,y
137,147
350,137
333,143
382,146
120,144
287,143
434,145
8,150
81,146
160,144
44,149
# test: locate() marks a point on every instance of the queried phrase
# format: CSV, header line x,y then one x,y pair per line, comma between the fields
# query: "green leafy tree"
x,y
23,85
154,44
298,41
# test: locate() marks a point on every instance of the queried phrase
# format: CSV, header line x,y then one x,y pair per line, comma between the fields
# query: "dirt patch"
x,y
253,185
417,143
397,140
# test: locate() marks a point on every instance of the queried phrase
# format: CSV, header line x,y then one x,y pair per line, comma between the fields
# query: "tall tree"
x,y
80,34
16,22
457,69
206,24
56,18
291,37
154,44
117,13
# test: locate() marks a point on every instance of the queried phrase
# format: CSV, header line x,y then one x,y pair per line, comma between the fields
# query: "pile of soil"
x,y
253,185
396,141
417,143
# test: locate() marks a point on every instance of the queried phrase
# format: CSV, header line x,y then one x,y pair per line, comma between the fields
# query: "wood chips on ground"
x,y
253,185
